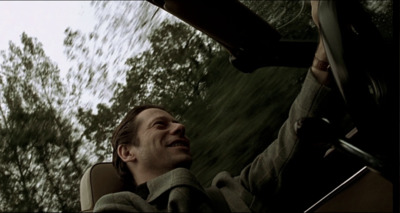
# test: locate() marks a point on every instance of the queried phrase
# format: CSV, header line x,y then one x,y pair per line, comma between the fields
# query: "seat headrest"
x,y
98,180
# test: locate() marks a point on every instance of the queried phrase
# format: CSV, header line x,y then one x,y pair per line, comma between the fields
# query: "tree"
x,y
41,163
98,57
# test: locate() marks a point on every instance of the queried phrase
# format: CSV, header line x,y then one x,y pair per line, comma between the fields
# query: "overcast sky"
x,y
45,20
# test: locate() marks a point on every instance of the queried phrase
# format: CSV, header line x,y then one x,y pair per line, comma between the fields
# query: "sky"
x,y
45,20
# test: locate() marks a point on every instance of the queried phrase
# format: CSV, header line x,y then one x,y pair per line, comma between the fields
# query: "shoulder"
x,y
120,201
118,196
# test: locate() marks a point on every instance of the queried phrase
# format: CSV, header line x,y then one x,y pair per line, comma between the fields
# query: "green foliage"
x,y
292,19
40,168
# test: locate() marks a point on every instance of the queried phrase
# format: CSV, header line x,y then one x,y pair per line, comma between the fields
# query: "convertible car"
x,y
365,159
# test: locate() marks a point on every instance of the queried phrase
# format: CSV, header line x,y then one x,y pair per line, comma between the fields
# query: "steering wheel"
x,y
362,64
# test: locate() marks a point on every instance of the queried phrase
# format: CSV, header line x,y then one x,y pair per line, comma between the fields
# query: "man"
x,y
152,152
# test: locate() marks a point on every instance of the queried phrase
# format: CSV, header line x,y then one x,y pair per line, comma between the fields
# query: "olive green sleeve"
x,y
280,173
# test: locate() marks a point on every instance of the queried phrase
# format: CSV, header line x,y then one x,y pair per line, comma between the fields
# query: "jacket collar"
x,y
170,180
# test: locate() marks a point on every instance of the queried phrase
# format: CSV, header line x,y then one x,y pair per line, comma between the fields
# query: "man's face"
x,y
163,145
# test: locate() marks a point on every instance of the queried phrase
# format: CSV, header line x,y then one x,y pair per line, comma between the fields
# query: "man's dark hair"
x,y
126,133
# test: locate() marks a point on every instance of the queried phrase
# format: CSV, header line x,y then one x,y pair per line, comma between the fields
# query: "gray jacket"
x,y
274,182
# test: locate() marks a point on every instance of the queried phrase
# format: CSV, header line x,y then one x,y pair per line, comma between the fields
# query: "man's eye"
x,y
160,124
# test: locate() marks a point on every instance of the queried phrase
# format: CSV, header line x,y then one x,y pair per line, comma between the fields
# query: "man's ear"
x,y
125,153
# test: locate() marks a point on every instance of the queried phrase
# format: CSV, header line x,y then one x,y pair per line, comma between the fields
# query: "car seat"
x,y
98,180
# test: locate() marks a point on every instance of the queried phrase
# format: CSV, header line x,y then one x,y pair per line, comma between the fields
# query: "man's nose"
x,y
178,128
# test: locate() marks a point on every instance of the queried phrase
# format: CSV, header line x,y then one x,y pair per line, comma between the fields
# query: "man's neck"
x,y
142,176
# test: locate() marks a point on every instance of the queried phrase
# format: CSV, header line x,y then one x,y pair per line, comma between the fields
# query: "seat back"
x,y
365,191
98,180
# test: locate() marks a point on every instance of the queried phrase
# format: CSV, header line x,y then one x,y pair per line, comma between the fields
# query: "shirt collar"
x,y
142,190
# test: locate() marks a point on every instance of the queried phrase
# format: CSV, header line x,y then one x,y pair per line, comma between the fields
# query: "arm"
x,y
284,176
284,172
319,66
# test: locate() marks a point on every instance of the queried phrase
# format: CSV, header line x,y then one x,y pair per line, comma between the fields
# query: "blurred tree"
x,y
122,31
290,18
41,163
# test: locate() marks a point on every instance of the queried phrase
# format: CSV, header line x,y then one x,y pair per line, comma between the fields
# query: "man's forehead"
x,y
148,115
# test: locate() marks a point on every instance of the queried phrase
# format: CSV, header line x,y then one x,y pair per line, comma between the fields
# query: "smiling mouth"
x,y
178,143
